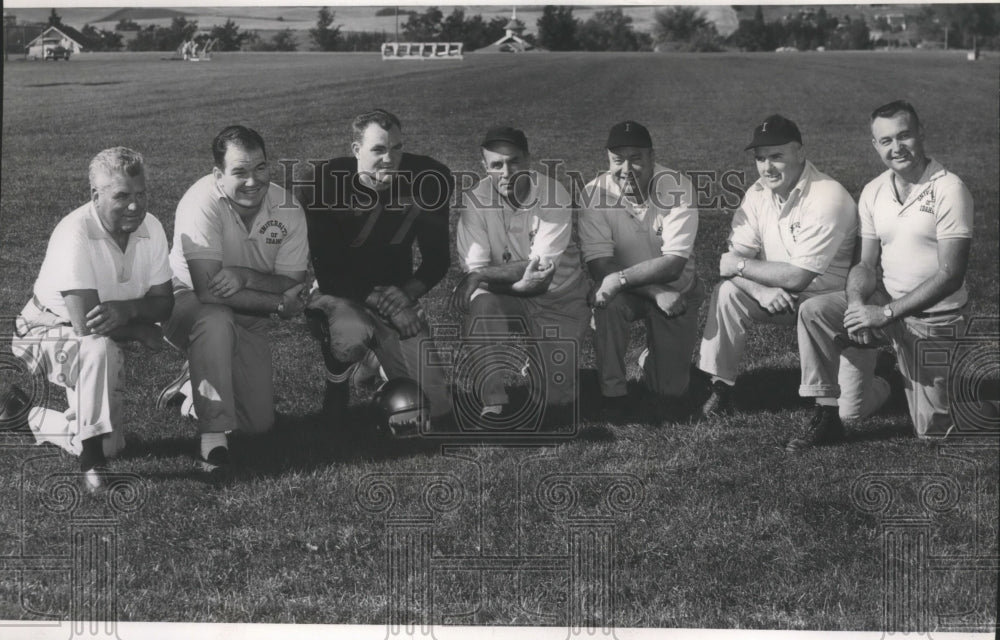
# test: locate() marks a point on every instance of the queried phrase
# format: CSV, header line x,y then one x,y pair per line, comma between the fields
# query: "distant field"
x,y
732,532
352,18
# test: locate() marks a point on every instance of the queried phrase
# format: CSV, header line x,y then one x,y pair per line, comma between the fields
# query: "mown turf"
x,y
729,532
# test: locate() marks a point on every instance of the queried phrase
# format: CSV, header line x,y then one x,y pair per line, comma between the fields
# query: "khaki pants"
x,y
671,342
354,330
926,379
88,367
553,324
230,358
732,312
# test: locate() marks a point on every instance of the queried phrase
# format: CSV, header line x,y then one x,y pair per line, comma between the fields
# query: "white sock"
x,y
728,383
210,441
826,402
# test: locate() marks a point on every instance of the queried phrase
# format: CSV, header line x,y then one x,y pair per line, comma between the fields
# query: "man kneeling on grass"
x,y
907,285
239,254
105,280
792,239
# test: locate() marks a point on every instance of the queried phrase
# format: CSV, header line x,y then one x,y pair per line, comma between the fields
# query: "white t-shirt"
x,y
939,206
81,254
666,225
207,228
491,232
814,229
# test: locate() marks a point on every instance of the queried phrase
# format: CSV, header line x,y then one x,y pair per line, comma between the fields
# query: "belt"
x,y
41,307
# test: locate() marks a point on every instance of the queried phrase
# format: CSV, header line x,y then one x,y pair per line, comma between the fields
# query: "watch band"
x,y
622,280
740,266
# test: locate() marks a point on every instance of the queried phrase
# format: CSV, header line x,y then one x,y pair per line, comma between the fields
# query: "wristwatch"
x,y
887,312
281,308
740,266
622,280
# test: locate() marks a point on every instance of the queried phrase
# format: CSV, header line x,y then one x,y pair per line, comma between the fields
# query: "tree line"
x,y
674,29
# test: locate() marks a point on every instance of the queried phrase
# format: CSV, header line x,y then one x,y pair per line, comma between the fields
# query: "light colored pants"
x,y
925,378
554,324
671,342
230,358
354,330
724,341
88,367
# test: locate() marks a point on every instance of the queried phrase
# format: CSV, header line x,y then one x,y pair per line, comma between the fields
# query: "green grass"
x,y
731,533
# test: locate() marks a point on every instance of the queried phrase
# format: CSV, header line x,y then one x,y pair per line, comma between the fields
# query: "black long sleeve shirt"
x,y
360,238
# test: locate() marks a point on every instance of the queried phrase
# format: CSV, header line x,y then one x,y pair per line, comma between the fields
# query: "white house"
x,y
55,37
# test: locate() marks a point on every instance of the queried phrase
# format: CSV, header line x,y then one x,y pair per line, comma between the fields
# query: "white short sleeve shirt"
x,y
207,228
81,254
612,226
938,207
815,228
491,232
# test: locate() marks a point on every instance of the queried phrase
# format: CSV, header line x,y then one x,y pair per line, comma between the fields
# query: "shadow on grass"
x,y
769,389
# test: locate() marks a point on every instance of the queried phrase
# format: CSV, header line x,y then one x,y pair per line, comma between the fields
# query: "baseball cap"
x,y
629,134
775,130
510,135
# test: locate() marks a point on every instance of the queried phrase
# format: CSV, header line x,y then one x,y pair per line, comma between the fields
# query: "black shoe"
x,y
824,427
217,462
617,408
335,401
719,403
14,409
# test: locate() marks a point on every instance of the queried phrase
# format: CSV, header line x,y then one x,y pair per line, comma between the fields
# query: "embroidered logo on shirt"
x,y
273,231
794,229
927,201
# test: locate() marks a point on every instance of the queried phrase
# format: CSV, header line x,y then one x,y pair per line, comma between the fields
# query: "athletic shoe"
x,y
218,461
720,401
824,427
13,409
173,389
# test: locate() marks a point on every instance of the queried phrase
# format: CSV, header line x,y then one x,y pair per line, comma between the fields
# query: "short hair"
x,y
894,107
116,161
243,137
381,117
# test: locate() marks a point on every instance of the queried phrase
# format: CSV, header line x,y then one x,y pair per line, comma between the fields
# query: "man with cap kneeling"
x,y
637,229
522,267
792,239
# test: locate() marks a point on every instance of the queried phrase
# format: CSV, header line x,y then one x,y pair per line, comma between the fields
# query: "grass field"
x,y
730,531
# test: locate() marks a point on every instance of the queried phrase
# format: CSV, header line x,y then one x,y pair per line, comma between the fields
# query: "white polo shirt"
x,y
814,229
939,206
666,225
207,227
492,232
81,254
